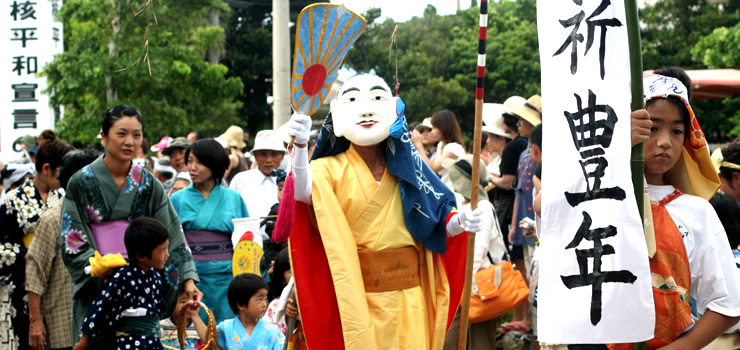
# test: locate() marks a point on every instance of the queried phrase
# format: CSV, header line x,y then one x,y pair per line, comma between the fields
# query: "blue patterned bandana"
x,y
426,200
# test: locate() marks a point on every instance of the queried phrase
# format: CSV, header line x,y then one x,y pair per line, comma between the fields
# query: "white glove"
x,y
299,126
465,220
470,220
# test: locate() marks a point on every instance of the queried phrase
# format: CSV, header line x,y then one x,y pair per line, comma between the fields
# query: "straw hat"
x,y
234,137
496,128
460,171
530,111
513,101
269,140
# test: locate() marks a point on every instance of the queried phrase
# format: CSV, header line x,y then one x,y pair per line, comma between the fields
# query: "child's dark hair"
x,y
210,153
277,282
75,160
535,137
242,288
118,112
142,236
731,154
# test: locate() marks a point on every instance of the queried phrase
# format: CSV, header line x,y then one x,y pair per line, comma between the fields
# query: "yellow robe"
x,y
413,318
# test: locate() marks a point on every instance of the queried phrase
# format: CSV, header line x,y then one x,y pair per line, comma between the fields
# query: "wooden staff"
x,y
474,179
637,160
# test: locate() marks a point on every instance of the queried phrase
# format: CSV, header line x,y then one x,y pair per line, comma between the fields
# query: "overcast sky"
x,y
403,10
399,11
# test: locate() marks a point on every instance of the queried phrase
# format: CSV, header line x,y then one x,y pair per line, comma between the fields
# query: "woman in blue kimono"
x,y
205,209
102,199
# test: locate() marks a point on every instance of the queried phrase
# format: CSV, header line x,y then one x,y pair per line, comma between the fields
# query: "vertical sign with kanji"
x,y
32,37
594,278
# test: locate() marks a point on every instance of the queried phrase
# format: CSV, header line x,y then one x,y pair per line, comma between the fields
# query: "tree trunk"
x,y
110,93
280,63
213,52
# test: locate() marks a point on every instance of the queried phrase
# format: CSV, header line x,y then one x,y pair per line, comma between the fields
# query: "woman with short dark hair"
x,y
205,209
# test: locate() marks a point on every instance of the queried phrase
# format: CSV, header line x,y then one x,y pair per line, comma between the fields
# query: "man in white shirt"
x,y
256,186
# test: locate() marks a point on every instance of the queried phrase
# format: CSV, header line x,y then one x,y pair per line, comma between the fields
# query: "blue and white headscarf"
x,y
426,200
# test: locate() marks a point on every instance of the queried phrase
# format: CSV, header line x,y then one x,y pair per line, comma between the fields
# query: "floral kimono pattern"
x,y
19,213
94,201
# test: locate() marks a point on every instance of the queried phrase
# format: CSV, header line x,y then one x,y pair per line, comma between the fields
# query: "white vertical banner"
x,y
32,37
594,279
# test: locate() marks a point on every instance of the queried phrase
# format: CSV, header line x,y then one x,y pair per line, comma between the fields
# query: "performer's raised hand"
x,y
299,126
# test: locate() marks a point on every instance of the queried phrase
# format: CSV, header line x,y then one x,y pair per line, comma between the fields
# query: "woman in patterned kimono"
x,y
101,200
20,211
205,209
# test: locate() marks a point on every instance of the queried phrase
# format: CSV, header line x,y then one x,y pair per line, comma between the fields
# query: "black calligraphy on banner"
x,y
591,135
575,37
27,63
54,8
23,35
24,92
55,35
24,118
24,10
597,277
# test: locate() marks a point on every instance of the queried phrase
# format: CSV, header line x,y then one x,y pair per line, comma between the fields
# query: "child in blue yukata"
x,y
132,301
247,295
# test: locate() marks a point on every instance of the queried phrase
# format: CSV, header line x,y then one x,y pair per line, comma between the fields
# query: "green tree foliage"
x,y
719,49
103,40
671,28
249,57
436,56
695,34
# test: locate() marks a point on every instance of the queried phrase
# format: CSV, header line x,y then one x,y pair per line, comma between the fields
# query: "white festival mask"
x,y
364,110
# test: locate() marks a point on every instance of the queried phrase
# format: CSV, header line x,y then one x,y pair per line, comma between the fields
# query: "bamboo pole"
x,y
637,161
474,179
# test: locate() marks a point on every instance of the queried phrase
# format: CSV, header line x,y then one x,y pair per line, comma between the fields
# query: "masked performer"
x,y
370,269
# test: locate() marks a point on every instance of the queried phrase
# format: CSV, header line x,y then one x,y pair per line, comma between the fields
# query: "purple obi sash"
x,y
109,236
210,245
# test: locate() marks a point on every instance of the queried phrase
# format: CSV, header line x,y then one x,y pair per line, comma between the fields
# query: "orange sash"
x,y
670,276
